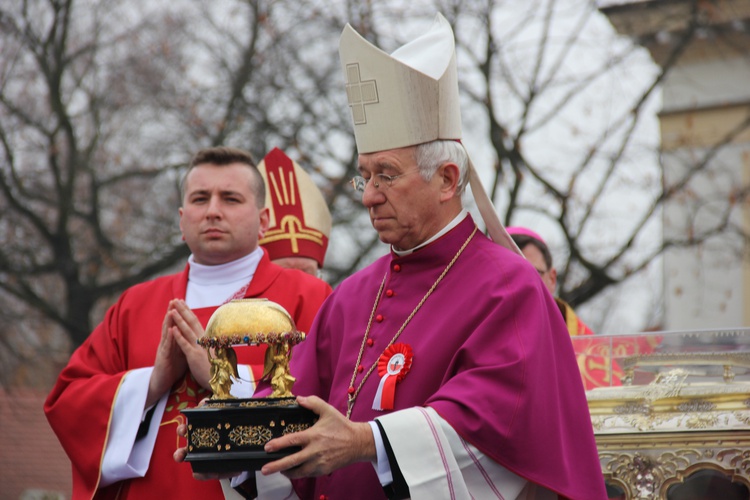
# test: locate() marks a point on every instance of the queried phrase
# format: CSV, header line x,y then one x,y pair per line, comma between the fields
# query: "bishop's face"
x,y
405,209
220,218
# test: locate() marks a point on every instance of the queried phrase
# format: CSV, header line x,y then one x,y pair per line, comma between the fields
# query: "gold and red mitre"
x,y
300,222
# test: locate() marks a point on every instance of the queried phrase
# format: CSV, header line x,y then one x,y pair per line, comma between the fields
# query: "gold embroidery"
x,y
244,435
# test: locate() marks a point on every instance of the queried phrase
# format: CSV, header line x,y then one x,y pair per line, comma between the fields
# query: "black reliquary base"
x,y
228,435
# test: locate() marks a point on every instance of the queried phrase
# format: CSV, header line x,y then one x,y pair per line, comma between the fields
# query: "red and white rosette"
x,y
393,365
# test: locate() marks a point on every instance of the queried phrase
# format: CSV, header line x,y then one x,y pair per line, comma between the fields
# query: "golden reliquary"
x,y
227,434
671,412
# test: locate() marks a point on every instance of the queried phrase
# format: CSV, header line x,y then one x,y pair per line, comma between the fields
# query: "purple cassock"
x,y
491,354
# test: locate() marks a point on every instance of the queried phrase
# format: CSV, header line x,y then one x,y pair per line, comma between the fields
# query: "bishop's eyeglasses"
x,y
359,182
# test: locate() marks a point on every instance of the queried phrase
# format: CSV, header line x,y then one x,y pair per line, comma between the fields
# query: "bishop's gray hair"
x,y
431,155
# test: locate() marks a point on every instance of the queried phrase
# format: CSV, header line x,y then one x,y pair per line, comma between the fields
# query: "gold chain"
x,y
353,395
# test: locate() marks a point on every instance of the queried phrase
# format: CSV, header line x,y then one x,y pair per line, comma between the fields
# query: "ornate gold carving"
x,y
670,404
244,435
696,405
631,407
736,457
204,437
650,422
223,371
641,475
701,421
640,421
736,391
666,385
251,318
213,405
728,373
597,423
266,403
276,369
653,438
250,321
649,474
295,428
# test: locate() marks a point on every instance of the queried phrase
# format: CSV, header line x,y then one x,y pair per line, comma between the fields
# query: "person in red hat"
x,y
537,252
299,219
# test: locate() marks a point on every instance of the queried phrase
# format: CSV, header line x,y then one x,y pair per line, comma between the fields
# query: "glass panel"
x,y
702,355
614,492
708,484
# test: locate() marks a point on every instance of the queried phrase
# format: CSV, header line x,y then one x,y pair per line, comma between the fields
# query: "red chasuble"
x,y
80,405
489,352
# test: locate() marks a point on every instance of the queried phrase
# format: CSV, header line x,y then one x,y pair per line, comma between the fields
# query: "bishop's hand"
x,y
332,443
180,454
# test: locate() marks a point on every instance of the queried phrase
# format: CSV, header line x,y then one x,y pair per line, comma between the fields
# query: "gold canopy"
x,y
253,320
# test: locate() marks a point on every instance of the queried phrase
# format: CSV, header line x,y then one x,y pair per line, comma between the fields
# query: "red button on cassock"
x,y
370,342
389,293
397,268
379,318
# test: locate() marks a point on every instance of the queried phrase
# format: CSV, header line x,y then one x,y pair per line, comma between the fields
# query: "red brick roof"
x,y
30,455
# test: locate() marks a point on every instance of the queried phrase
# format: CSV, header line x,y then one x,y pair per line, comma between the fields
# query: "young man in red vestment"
x,y
116,405
443,369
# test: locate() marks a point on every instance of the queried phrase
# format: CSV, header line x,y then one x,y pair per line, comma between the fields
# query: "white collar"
x,y
455,222
242,268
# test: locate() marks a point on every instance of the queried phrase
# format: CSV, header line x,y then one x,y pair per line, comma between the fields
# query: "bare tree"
x,y
77,203
103,102
538,75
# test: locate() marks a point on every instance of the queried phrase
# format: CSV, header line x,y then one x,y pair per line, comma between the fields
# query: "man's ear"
x,y
265,221
181,211
553,279
449,176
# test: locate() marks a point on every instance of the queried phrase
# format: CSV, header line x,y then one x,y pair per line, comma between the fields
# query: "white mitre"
x,y
406,98
410,97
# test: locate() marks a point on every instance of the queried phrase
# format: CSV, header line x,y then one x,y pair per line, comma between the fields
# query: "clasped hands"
x,y
178,351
